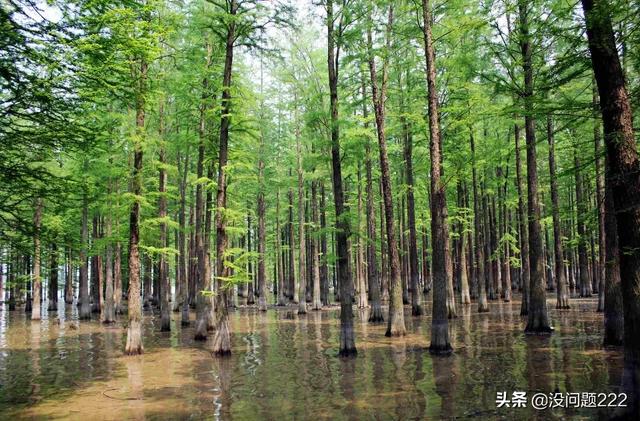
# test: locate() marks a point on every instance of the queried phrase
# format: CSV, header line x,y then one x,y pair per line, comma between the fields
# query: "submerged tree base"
x,y
134,339
443,350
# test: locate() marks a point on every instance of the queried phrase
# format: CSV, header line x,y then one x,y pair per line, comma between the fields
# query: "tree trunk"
x,y
134,331
585,284
315,243
623,179
538,320
347,334
52,294
483,305
37,282
613,304
165,310
302,245
324,269
600,205
109,304
525,274
68,281
439,236
561,282
83,296
262,297
222,338
395,326
461,269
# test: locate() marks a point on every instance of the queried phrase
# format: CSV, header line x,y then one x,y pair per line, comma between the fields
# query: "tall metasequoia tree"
x,y
600,205
525,275
52,293
623,180
373,280
561,281
202,309
280,258
182,246
347,334
262,294
395,323
134,331
414,273
538,319
302,244
315,248
439,233
461,269
163,265
222,338
37,281
109,314
83,295
583,264
479,278
68,281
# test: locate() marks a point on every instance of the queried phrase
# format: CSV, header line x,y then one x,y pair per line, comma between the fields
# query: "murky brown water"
x,y
288,369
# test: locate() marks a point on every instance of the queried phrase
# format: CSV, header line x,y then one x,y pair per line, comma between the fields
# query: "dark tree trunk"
x,y
561,281
479,277
623,180
165,311
222,338
395,326
347,334
600,205
525,274
83,295
324,269
538,319
53,279
585,284
439,236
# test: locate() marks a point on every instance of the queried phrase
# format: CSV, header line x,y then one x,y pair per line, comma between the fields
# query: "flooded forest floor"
x,y
284,368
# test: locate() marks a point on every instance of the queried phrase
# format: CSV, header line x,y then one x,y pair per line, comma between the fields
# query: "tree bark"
x,y
561,281
37,282
222,338
165,310
395,326
439,233
538,320
83,296
623,180
134,331
347,334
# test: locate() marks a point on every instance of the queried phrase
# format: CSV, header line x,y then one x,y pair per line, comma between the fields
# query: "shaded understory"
x,y
288,369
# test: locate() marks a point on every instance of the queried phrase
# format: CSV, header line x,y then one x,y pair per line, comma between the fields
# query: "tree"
x,y
440,237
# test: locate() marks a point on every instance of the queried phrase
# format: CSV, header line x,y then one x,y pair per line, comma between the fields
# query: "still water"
x,y
284,368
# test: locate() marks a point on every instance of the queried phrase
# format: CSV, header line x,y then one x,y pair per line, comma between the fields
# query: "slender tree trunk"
x,y
585,284
315,243
279,262
83,298
222,338
416,297
525,274
395,326
202,313
483,305
293,291
347,334
165,310
600,205
561,282
373,280
324,269
461,269
439,233
52,293
184,258
134,331
623,180
302,245
109,303
538,319
68,282
37,282
262,297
